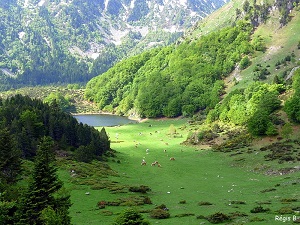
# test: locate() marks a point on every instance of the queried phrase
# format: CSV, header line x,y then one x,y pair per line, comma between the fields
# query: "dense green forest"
x,y
175,80
28,120
33,130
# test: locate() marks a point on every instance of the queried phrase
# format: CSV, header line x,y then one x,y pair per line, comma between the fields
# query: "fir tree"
x,y
10,161
44,189
104,140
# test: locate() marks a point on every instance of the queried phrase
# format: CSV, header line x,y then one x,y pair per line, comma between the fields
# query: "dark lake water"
x,y
103,120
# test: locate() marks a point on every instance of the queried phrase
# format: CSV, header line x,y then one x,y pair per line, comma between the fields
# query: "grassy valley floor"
x,y
198,183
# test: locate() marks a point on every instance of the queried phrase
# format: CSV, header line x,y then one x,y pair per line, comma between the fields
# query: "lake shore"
x,y
138,119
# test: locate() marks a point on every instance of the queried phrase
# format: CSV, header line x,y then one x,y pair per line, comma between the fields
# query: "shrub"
x,y
218,218
285,210
288,200
256,219
245,62
259,209
160,214
238,202
130,217
185,215
141,189
204,203
147,200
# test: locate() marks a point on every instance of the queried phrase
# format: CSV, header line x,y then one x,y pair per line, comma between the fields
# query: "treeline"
x,y
28,120
174,80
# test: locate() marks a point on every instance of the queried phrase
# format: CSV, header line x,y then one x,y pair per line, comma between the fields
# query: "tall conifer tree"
x,y
10,161
44,189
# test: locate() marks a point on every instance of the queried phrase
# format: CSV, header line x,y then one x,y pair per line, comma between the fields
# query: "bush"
x,y
204,203
160,213
259,209
245,62
130,217
285,210
142,189
218,218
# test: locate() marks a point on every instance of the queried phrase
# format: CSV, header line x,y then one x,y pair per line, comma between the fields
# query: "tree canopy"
x,y
174,80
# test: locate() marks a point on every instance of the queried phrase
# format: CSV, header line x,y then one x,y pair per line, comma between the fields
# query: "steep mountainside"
x,y
191,76
66,41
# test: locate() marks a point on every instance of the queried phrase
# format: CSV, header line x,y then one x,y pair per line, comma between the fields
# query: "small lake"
x,y
103,120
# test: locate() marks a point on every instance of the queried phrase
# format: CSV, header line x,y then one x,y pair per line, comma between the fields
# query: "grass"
x,y
231,186
280,42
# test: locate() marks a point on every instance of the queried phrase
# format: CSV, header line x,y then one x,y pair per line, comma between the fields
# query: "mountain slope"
x,y
73,40
185,78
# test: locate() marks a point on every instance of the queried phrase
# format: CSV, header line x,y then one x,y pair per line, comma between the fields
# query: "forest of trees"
x,y
174,80
34,131
43,49
252,107
28,120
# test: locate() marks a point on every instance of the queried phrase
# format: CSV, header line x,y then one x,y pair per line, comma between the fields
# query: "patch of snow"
x,y
21,34
132,3
172,29
8,72
161,8
183,2
25,4
105,4
41,3
95,55
47,41
193,14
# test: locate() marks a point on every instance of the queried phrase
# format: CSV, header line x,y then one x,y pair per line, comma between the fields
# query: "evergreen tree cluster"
x,y
174,80
43,200
28,120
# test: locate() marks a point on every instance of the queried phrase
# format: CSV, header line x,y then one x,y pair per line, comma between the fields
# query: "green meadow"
x,y
198,183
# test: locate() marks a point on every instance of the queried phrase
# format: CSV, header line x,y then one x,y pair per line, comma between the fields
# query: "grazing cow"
x,y
165,150
143,163
153,164
158,165
147,150
172,159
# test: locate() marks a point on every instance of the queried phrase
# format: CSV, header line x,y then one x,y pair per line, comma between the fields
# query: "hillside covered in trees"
x,y
192,76
175,80
27,120
31,130
183,78
63,41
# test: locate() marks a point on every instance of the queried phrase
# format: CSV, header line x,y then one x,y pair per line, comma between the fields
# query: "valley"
x,y
218,111
199,183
